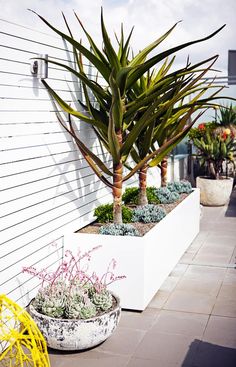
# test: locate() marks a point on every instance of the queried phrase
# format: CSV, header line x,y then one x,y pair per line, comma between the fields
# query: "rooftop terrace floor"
x,y
191,321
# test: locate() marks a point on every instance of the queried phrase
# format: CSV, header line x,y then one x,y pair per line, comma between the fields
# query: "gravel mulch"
x,y
141,227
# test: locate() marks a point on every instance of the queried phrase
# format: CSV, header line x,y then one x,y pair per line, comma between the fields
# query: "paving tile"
x,y
198,286
230,277
233,257
170,283
221,240
123,342
183,323
140,362
190,301
166,349
139,320
159,299
90,358
187,258
225,307
179,270
199,239
221,331
205,273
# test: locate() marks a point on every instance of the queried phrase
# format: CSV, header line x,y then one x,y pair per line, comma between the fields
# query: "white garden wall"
x,y
46,187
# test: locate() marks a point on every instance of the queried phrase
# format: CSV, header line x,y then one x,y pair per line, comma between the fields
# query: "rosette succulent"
x,y
148,213
180,187
166,196
73,293
119,230
102,300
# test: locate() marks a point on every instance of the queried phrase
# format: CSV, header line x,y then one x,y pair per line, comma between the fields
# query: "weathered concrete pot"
x,y
74,334
214,192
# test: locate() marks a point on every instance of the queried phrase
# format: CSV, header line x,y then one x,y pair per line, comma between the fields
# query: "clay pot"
x,y
214,192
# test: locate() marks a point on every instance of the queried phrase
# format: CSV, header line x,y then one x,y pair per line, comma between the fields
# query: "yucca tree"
x,y
185,90
112,115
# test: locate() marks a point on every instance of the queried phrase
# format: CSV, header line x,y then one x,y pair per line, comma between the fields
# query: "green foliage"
x,y
104,213
131,97
148,213
180,187
119,230
130,195
227,115
166,196
214,146
199,131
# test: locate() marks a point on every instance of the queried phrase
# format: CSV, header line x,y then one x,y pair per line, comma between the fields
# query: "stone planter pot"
x,y
74,334
214,192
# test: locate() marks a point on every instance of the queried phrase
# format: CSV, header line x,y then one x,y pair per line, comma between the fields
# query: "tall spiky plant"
x,y
185,91
114,116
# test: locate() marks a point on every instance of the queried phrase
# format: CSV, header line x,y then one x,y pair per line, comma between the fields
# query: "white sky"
x,y
151,19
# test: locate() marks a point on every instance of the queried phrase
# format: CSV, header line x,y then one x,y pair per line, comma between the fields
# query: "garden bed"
x,y
143,228
145,261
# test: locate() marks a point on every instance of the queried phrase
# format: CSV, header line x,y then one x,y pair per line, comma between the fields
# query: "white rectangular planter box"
x,y
146,261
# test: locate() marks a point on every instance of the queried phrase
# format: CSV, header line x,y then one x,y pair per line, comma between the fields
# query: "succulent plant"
x,y
53,306
215,145
148,213
119,230
180,187
102,300
80,310
71,292
166,196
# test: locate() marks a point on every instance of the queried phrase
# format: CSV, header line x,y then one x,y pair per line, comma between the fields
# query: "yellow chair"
x,y
21,342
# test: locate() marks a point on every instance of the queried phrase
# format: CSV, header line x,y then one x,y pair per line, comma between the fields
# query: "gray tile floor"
x,y
191,321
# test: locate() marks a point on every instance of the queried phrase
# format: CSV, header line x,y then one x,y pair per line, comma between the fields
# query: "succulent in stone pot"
x,y
74,308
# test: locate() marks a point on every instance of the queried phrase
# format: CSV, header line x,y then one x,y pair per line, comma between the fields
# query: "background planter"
x,y
74,334
214,192
146,261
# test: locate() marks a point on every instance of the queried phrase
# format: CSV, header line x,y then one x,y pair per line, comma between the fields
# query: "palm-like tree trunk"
x,y
117,193
164,165
143,185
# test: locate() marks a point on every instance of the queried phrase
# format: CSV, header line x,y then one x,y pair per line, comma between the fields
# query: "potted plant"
x,y
215,147
117,101
73,308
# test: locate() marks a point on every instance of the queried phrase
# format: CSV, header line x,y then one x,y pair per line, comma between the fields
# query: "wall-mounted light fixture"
x,y
39,66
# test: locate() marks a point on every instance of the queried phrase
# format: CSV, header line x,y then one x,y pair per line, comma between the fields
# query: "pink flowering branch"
x,y
71,270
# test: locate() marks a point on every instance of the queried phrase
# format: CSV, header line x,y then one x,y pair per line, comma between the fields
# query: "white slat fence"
x,y
46,187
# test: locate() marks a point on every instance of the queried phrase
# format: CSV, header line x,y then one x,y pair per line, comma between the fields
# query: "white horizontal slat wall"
x,y
46,187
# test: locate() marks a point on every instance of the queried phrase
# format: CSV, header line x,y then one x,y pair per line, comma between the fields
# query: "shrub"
x,y
130,195
166,196
104,213
180,186
148,213
119,230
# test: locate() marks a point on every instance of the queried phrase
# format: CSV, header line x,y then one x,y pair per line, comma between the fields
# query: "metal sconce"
x,y
39,68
